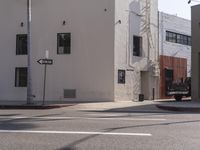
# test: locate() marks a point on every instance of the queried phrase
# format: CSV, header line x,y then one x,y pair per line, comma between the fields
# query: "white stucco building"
x,y
179,44
103,50
174,50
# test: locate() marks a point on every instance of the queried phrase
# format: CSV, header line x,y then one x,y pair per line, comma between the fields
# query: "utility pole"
x,y
29,78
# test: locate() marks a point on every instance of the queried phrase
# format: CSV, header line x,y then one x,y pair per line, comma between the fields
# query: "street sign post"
x,y
45,62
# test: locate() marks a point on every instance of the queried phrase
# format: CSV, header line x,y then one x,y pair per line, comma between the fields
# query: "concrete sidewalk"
x,y
145,106
122,106
156,106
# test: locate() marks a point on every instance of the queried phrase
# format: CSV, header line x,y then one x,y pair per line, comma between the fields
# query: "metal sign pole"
x,y
44,86
45,62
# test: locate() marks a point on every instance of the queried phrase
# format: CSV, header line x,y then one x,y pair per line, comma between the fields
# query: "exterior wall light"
x,y
21,24
119,21
64,23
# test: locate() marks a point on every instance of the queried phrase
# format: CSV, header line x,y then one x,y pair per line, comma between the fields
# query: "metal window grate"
x,y
69,93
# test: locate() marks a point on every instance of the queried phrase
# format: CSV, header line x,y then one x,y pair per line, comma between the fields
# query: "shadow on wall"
x,y
139,21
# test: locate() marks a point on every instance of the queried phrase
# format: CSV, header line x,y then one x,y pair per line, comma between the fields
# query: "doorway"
x,y
169,76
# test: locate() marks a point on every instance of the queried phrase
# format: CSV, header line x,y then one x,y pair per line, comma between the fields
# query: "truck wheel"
x,y
178,97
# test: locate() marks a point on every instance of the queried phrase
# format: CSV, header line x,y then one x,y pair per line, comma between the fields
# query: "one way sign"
x,y
45,61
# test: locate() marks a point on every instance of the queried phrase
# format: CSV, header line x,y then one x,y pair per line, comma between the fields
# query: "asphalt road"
x,y
63,129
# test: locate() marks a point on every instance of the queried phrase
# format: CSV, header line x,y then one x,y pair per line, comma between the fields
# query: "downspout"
x,y
148,29
162,30
158,57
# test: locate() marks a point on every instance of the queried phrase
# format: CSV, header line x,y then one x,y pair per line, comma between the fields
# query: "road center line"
x,y
75,132
84,118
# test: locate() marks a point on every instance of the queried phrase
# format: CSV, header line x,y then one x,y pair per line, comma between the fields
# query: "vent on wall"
x,y
69,93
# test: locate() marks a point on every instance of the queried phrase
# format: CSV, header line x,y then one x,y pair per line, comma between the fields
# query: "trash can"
x,y
141,97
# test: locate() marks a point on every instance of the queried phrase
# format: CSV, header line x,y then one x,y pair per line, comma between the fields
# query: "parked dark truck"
x,y
179,89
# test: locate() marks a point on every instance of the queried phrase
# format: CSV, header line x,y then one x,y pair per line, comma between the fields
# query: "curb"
x,y
178,109
42,107
126,111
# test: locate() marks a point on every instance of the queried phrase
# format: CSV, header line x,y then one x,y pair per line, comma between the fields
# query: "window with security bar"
x,y
21,44
63,43
21,77
178,38
137,46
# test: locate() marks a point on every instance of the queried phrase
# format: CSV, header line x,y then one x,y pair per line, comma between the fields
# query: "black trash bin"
x,y
141,97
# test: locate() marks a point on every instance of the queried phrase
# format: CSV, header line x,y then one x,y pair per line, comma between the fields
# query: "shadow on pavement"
x,y
73,145
15,123
18,122
148,108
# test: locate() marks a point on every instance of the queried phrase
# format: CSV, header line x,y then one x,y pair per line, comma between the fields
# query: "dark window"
x,y
137,45
169,76
185,40
21,44
21,77
178,38
121,76
182,39
63,43
171,37
189,41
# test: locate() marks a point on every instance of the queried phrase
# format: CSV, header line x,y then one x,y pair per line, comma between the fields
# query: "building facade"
x,y
136,48
174,49
102,50
195,52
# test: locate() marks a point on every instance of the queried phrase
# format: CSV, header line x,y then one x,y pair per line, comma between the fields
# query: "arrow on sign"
x,y
40,61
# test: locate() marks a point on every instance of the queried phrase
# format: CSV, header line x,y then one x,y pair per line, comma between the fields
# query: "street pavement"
x,y
81,128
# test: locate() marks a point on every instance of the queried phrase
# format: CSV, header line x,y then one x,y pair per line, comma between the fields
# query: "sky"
x,y
180,8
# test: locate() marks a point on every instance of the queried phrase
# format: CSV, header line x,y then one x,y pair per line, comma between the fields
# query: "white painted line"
x,y
75,132
84,118
107,115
